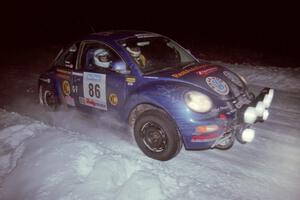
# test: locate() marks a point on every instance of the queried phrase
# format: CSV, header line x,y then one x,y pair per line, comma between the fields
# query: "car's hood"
x,y
214,79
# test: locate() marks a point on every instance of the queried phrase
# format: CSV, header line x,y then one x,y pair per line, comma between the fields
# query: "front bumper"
x,y
238,126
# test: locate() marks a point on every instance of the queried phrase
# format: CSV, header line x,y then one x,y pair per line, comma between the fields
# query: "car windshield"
x,y
155,54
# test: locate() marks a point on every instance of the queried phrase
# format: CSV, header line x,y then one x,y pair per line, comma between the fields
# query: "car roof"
x,y
119,35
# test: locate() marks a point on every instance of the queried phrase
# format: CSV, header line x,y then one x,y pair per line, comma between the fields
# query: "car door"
x,y
64,65
96,87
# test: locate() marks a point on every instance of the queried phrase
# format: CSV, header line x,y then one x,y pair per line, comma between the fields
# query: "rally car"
x,y
167,96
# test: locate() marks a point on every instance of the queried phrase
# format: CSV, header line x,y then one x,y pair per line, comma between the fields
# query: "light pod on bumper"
x,y
271,93
265,115
248,135
250,115
260,108
268,98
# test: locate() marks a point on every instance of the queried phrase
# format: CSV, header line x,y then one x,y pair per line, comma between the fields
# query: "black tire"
x,y
48,97
156,135
226,144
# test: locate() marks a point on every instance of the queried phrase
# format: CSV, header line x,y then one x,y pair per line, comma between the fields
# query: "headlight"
x,y
198,102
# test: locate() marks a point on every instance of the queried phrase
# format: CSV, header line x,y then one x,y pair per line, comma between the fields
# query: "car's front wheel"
x,y
226,143
47,96
157,136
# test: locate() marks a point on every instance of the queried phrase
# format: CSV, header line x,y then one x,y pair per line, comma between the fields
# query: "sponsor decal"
x,y
74,88
206,72
66,87
94,90
91,103
187,71
113,99
218,85
130,80
233,78
69,100
94,103
93,77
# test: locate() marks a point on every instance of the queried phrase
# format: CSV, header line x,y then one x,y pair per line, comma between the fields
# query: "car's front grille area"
x,y
241,100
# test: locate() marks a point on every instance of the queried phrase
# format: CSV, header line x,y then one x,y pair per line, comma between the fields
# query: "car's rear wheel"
x,y
157,136
48,97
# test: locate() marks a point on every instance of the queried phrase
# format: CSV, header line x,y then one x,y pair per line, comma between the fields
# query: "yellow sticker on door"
x,y
113,99
66,87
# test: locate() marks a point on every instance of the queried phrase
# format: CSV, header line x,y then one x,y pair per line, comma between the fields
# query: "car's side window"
x,y
68,57
96,56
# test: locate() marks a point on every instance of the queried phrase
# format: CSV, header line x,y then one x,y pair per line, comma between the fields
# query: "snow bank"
x,y
55,163
12,139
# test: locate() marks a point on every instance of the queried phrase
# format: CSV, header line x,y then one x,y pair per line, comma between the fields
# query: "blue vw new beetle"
x,y
166,95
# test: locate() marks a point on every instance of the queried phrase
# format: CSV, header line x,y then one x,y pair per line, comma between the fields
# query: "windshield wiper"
x,y
190,64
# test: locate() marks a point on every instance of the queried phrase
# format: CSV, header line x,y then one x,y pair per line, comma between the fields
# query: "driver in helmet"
x,y
101,58
139,58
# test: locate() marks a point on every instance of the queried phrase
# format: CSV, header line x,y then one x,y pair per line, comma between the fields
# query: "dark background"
x,y
256,33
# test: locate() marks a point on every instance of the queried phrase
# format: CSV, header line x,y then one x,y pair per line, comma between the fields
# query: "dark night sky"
x,y
264,27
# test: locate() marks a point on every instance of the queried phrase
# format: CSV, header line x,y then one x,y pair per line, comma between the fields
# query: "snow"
x,y
69,155
274,77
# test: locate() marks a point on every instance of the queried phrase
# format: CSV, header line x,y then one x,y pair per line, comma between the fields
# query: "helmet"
x,y
134,51
101,58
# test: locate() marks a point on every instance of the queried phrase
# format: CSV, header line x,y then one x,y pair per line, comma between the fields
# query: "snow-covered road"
x,y
46,155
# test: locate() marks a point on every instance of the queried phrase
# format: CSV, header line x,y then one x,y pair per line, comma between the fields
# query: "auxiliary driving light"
x,y
265,115
271,93
248,135
250,115
260,108
268,98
